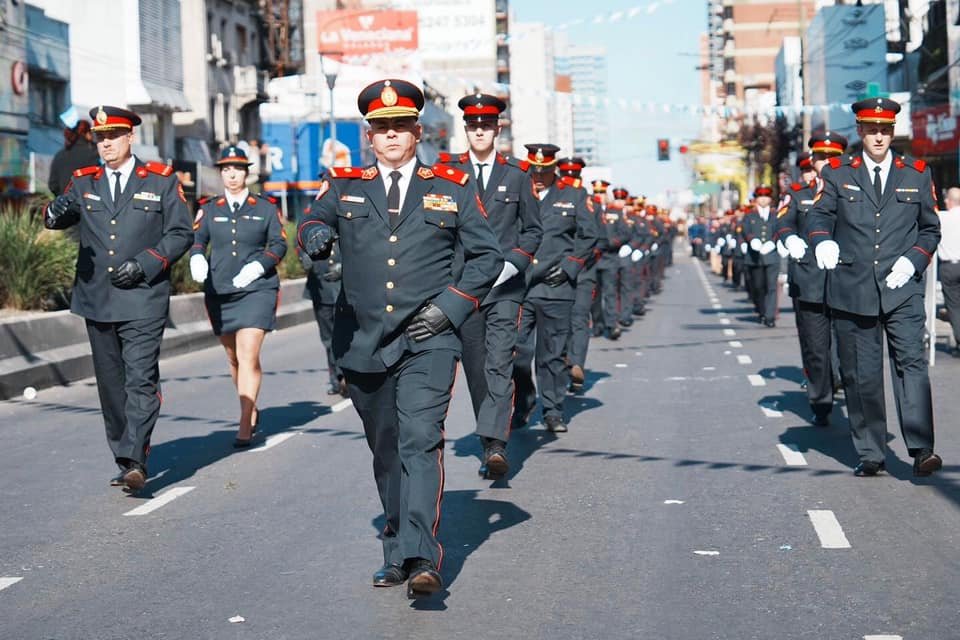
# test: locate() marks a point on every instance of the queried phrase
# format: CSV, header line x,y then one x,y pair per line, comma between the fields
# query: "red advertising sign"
x,y
935,131
350,35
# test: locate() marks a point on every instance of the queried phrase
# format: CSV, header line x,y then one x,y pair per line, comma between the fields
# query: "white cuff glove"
x,y
796,246
721,242
827,254
755,244
782,249
624,251
709,247
654,246
730,240
248,273
743,248
199,268
900,274
508,271
767,247
636,255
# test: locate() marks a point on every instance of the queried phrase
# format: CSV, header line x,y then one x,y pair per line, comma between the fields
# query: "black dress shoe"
x,y
926,462
639,312
614,333
555,424
821,420
389,575
135,477
869,468
626,322
769,323
495,464
424,579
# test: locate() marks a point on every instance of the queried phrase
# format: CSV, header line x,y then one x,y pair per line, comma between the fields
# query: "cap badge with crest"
x,y
388,95
539,156
101,116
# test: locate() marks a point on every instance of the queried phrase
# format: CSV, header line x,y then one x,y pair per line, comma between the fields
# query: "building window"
x,y
47,100
241,40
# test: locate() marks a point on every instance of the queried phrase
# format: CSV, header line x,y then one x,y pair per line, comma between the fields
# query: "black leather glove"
x,y
61,213
334,273
555,277
128,275
427,322
318,242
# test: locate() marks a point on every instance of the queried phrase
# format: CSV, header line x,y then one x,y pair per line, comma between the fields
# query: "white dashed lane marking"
x,y
343,404
620,365
736,344
717,306
791,455
8,582
756,380
164,498
274,440
724,320
882,637
744,359
828,529
729,332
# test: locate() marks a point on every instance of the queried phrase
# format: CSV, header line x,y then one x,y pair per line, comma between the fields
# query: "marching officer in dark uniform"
x,y
134,224
569,238
323,288
762,258
874,226
614,248
399,223
806,281
490,336
246,239
580,314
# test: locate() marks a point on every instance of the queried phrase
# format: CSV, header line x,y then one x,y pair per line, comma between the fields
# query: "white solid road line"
x,y
717,305
736,344
756,380
8,582
828,529
724,320
152,505
343,404
620,365
274,440
729,332
882,637
771,412
744,359
791,455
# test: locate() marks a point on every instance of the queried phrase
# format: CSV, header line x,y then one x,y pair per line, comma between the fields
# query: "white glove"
x,y
782,249
624,251
730,239
508,271
721,242
654,246
901,273
796,246
743,248
199,268
827,254
709,247
767,247
716,250
755,244
248,273
636,255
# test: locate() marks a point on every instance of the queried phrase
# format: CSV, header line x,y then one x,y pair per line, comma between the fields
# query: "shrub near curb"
x,y
36,265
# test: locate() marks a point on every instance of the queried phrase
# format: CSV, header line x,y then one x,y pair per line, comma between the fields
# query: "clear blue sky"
x,y
644,62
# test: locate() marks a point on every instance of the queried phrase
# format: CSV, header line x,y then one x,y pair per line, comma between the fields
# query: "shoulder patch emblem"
x,y
424,173
796,186
369,173
919,165
141,172
835,162
444,157
856,162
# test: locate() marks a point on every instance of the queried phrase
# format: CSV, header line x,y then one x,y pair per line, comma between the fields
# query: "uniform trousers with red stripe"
x,y
403,411
126,363
489,339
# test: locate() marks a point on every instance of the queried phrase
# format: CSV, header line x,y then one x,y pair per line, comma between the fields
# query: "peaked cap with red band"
x,y
827,142
390,98
620,193
877,110
571,166
542,155
481,107
804,160
599,186
233,156
763,190
107,118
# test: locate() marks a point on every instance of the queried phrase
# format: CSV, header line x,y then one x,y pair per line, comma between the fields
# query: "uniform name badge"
x,y
439,202
146,195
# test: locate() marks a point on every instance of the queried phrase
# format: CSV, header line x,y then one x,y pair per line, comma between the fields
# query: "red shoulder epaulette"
x,y
86,171
269,198
344,172
835,162
251,200
221,201
159,168
796,186
464,158
451,174
523,165
444,157
919,165
855,163
204,200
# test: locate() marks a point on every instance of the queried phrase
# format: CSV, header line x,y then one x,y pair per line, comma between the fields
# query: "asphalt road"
x,y
690,500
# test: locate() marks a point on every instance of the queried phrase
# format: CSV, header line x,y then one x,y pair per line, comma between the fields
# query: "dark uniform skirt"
x,y
245,310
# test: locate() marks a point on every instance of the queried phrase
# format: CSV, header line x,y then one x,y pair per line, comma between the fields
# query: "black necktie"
x,y
393,196
877,184
480,185
116,187
236,206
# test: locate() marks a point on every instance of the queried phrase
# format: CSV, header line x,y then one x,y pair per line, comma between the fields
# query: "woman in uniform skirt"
x,y
246,239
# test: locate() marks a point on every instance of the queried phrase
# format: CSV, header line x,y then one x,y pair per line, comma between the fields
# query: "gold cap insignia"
x,y
101,116
388,96
878,109
539,156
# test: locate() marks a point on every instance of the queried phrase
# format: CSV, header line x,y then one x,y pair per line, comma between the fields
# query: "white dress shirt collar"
x,y
406,173
884,168
125,170
240,197
763,212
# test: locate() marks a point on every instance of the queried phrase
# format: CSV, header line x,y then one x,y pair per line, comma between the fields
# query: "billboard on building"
x,y
454,31
935,131
355,37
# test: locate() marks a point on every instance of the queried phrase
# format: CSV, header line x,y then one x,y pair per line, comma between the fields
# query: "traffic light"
x,y
663,149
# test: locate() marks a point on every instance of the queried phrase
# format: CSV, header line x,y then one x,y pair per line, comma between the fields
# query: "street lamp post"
x,y
331,77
